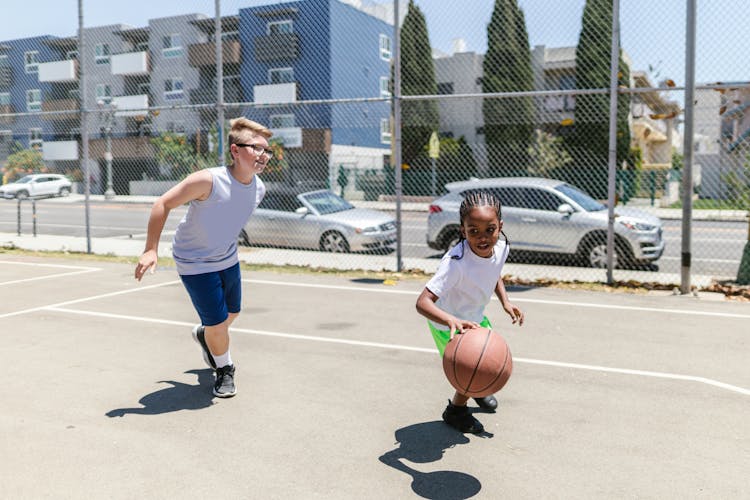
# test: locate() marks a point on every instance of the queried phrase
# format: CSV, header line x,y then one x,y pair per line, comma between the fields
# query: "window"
x,y
35,137
172,45
103,93
173,90
385,47
33,100
71,54
286,202
102,53
385,130
445,88
281,121
4,60
144,88
4,98
280,27
31,61
385,86
280,75
141,47
6,136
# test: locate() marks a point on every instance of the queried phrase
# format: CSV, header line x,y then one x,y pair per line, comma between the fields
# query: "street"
x,y
716,245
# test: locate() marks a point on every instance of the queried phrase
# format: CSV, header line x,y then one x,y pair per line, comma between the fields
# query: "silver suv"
x,y
547,216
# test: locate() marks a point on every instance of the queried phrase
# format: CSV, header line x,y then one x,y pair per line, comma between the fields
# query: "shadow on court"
x,y
178,397
424,443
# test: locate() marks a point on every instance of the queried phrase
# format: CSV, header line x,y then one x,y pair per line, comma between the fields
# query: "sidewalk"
x,y
411,206
281,257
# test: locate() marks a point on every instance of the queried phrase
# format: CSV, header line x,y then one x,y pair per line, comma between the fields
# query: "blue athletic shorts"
x,y
215,295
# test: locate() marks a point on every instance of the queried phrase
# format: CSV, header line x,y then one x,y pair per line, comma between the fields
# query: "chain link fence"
x,y
514,90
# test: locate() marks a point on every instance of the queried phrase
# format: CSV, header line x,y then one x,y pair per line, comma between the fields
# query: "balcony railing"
x,y
59,71
58,105
281,46
130,63
204,54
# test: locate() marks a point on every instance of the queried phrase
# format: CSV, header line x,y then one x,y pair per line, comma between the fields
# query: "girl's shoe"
x,y
487,403
460,418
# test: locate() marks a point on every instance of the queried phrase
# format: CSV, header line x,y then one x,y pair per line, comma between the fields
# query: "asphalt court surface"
x,y
340,393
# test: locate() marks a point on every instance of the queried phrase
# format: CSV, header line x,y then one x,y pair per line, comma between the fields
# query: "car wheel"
x,y
333,241
595,252
242,239
22,195
64,191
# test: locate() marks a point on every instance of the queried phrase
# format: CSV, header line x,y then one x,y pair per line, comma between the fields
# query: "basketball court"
x,y
340,392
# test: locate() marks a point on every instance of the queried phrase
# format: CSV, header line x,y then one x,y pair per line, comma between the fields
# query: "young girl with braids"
x,y
455,298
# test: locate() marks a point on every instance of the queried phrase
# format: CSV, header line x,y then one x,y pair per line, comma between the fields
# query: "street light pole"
x,y
109,117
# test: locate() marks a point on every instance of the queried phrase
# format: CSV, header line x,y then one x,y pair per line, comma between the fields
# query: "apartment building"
x,y
142,81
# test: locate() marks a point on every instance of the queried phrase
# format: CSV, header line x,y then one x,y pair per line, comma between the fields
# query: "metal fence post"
x,y
18,217
33,217
397,131
613,96
687,169
219,80
84,127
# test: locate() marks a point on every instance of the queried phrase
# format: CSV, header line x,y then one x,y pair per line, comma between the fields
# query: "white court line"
x,y
38,264
398,347
515,299
79,270
50,276
85,299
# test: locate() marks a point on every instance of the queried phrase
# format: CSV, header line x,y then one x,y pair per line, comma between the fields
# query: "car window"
x,y
24,180
508,196
326,202
284,202
587,202
539,199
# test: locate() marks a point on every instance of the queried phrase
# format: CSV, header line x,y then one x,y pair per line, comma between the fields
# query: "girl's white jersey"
x,y
466,284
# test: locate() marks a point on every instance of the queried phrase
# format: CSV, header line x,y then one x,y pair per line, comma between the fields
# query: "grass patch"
x,y
708,204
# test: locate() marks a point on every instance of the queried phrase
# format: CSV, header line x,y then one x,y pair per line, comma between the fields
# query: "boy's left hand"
x,y
514,312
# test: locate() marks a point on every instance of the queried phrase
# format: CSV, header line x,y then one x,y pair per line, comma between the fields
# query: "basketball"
x,y
477,362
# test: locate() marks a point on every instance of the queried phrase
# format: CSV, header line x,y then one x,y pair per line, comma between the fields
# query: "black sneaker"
x,y
224,385
199,335
488,403
460,418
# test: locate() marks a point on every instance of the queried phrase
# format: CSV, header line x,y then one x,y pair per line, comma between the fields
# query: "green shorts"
x,y
442,337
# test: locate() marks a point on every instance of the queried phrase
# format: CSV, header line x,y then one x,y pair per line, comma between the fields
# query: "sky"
x,y
652,33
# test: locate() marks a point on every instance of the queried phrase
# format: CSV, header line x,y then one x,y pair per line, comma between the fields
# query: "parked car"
x,y
547,216
37,186
317,219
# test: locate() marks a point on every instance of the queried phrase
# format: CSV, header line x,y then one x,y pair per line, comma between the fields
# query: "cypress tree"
x,y
419,118
508,122
588,142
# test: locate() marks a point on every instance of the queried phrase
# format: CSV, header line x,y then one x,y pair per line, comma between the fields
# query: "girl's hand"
x,y
460,325
514,312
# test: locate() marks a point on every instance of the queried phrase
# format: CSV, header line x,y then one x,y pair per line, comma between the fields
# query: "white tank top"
x,y
206,238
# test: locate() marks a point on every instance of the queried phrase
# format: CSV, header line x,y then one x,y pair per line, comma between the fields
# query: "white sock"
x,y
223,359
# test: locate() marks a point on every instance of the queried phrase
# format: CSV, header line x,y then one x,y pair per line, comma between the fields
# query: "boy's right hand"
x,y
146,262
459,325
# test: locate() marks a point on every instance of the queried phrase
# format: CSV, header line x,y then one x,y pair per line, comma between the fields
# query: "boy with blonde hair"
x,y
220,199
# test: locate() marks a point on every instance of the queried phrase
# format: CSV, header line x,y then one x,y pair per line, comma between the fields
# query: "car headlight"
x,y
370,229
637,226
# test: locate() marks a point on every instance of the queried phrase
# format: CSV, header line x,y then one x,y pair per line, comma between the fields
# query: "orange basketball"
x,y
477,362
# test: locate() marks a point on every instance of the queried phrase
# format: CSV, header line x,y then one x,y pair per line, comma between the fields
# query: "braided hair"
x,y
475,199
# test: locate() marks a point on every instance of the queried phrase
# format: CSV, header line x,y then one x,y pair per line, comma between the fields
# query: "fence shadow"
x,y
424,443
178,396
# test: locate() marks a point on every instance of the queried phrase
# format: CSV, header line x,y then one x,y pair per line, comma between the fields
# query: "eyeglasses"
x,y
259,150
